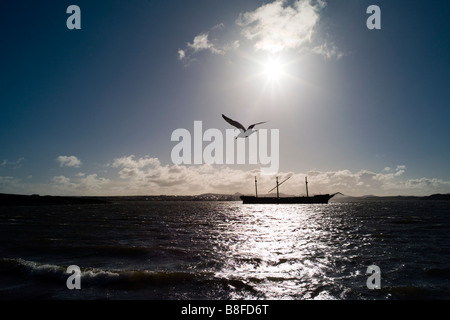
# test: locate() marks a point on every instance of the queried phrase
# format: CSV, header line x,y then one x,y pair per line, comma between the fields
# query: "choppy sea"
x,y
183,250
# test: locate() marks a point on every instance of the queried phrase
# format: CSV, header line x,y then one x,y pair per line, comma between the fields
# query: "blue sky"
x,y
92,111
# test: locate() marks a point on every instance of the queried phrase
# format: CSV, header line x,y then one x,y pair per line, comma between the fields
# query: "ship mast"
x,y
278,193
279,184
306,181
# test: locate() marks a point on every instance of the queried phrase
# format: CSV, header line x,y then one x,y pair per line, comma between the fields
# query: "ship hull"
x,y
324,198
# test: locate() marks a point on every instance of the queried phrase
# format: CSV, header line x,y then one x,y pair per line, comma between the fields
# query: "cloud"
x,y
427,184
93,183
89,185
131,162
388,182
63,183
12,164
68,161
9,183
328,50
201,42
275,26
181,54
206,41
146,175
145,172
131,175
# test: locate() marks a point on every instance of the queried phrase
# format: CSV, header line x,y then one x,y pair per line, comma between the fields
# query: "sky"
x,y
92,111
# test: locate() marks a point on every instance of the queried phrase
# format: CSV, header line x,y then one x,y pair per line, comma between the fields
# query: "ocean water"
x,y
152,250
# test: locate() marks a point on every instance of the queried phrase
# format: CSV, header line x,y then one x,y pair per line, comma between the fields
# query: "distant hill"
x,y
339,198
35,200
438,196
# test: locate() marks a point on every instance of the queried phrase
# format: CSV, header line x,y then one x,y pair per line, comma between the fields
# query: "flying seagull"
x,y
244,132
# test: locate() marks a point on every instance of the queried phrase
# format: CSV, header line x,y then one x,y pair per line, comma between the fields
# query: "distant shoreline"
x,y
35,200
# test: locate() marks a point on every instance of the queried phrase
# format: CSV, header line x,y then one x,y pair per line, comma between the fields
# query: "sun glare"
x,y
273,69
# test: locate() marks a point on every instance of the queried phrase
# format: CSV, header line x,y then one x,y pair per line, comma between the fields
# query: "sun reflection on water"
x,y
278,252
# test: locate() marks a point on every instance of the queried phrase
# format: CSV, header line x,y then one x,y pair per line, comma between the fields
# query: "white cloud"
x,y
9,183
181,54
68,161
89,185
328,50
201,42
219,26
130,162
131,175
275,26
386,182
93,183
12,164
63,183
146,172
206,41
427,184
146,175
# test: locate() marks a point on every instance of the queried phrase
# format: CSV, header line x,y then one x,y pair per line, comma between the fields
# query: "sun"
x,y
273,69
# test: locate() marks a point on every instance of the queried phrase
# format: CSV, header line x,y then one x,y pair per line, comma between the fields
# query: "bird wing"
x,y
234,123
253,125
